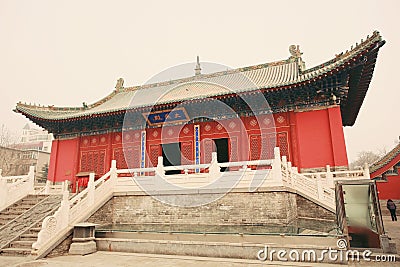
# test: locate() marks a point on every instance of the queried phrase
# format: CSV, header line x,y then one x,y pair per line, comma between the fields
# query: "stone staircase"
x,y
13,211
23,245
20,231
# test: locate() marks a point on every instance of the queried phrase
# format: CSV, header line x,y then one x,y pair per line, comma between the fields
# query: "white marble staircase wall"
x,y
14,188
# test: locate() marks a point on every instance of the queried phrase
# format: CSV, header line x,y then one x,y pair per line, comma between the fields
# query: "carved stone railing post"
x,y
366,171
320,187
31,179
160,166
277,167
285,168
66,185
214,169
329,177
64,210
289,173
47,187
113,173
91,189
3,193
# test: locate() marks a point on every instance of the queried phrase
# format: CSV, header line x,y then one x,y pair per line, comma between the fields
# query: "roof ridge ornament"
x,y
197,70
295,56
295,51
120,84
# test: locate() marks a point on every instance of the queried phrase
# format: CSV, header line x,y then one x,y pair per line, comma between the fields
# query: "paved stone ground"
x,y
106,259
393,230
103,259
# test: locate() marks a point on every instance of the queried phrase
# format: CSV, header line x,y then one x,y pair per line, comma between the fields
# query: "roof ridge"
x,y
343,55
385,158
208,75
48,107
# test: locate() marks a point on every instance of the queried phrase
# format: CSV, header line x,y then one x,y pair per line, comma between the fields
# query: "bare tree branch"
x,y
7,138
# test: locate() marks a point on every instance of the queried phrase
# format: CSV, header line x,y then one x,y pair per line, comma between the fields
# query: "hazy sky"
x,y
65,52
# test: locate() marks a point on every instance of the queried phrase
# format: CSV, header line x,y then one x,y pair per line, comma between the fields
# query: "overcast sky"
x,y
64,53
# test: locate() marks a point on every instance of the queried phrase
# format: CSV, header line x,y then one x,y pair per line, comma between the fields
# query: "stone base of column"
x,y
82,248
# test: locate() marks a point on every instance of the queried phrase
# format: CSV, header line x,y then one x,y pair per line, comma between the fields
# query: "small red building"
x,y
305,114
387,175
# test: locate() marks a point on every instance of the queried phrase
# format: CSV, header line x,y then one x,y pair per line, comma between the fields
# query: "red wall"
x,y
64,160
389,189
320,139
309,139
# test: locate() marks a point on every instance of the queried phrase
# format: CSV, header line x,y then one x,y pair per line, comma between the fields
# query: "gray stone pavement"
x,y
106,259
103,258
393,230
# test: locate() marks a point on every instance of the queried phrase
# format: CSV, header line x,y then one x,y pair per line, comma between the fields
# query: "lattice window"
x,y
119,157
264,153
270,140
95,162
234,149
135,158
101,164
255,147
128,157
116,157
208,149
186,152
90,162
283,144
154,154
84,162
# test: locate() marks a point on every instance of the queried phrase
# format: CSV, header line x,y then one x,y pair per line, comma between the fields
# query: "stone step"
x,y
35,230
35,196
8,219
25,206
13,212
7,216
34,239
15,251
20,206
28,236
30,201
29,218
22,244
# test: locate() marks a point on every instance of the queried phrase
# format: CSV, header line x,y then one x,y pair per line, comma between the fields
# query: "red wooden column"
x,y
293,143
337,137
109,151
53,161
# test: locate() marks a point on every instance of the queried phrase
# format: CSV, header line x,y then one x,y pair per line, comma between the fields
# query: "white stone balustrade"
x,y
277,172
14,188
52,188
75,210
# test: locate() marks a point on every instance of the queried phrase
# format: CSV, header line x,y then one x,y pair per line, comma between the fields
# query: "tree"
x,y
7,138
363,157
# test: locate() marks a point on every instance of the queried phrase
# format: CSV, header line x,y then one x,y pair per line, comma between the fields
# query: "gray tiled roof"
x,y
385,160
263,76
